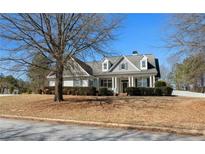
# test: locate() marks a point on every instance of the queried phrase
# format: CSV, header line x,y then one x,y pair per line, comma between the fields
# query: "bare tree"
x,y
186,38
186,35
57,37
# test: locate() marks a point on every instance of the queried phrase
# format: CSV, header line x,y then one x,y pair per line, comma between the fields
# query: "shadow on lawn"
x,y
95,100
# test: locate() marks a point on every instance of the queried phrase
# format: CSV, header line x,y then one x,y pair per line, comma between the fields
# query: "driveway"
x,y
41,131
188,93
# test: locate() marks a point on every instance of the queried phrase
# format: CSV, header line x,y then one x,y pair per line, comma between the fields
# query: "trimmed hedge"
x,y
166,91
90,91
160,84
158,91
105,92
142,91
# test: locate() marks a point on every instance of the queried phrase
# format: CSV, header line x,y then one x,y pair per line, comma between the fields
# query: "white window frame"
x,y
144,60
106,62
123,68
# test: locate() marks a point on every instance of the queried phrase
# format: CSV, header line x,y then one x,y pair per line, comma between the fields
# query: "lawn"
x,y
177,112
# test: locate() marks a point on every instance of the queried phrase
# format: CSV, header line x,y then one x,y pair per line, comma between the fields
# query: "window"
x,y
122,66
143,63
139,83
77,83
109,83
105,66
91,83
106,83
142,82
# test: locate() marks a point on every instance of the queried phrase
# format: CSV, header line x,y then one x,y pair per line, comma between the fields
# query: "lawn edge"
x,y
184,131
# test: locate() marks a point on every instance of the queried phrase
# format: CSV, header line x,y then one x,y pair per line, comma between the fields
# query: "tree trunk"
x,y
59,84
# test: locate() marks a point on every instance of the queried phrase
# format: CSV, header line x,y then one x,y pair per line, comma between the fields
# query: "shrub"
x,y
130,91
199,89
149,91
133,91
160,84
166,91
157,91
39,91
29,91
11,89
143,91
105,92
73,90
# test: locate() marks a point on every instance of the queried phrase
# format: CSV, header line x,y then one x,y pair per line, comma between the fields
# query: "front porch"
x,y
119,83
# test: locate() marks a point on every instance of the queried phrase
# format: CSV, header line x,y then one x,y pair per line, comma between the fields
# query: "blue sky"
x,y
144,33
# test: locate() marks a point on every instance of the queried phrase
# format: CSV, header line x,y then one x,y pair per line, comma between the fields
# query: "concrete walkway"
x,y
187,93
3,95
41,131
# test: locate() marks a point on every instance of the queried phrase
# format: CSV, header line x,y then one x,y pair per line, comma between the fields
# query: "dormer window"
x,y
105,66
122,66
143,63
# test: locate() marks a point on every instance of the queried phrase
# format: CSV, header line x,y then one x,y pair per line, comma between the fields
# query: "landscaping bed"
x,y
173,112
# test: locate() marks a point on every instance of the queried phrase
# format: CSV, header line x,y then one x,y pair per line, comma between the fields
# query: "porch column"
x,y
129,81
150,81
113,83
116,86
132,81
97,84
153,81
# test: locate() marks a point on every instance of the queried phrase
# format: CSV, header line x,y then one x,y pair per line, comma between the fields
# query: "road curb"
x,y
194,132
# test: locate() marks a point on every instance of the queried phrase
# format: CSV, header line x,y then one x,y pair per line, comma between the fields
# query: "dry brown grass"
x,y
156,111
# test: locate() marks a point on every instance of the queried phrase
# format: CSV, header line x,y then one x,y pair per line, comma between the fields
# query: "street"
x,y
14,130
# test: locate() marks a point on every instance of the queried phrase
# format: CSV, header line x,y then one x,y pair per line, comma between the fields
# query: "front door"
x,y
124,85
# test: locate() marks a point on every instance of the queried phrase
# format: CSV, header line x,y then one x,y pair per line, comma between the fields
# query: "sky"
x,y
143,33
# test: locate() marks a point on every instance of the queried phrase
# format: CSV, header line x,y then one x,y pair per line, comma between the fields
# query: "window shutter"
x,y
126,66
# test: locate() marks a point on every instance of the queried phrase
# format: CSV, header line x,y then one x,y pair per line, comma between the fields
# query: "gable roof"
x,y
84,66
153,65
118,62
95,68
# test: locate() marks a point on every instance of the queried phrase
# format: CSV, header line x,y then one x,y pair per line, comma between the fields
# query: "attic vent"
x,y
135,52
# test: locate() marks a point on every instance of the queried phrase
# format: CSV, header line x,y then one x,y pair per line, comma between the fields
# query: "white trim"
x,y
113,83
153,81
132,79
111,68
131,63
80,67
116,86
145,58
106,61
150,81
129,81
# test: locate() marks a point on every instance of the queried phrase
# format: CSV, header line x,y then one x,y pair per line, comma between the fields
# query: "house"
x,y
115,73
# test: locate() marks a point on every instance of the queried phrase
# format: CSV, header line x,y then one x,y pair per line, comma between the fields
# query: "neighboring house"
x,y
115,73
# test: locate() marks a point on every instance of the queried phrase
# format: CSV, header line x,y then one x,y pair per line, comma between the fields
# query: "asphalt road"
x,y
14,130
